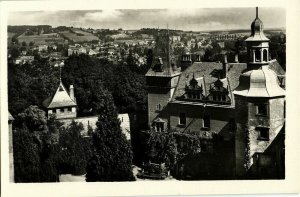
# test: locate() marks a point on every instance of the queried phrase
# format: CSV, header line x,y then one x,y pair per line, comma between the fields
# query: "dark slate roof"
x,y
167,72
207,73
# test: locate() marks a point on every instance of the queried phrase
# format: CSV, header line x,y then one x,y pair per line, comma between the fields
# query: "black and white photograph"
x,y
146,95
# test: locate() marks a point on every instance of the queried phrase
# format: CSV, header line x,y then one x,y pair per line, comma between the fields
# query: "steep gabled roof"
x,y
60,99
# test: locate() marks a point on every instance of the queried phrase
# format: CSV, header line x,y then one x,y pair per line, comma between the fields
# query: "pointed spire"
x,y
256,12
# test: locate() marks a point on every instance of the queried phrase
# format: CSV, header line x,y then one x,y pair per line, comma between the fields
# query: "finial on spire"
x,y
59,74
256,12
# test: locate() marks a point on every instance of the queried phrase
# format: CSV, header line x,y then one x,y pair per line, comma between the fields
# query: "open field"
x,y
79,36
40,39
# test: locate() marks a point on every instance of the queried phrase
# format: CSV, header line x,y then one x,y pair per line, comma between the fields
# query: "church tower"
x,y
161,81
259,109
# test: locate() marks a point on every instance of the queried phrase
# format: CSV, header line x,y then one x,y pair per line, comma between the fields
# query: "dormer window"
x,y
159,125
193,91
218,93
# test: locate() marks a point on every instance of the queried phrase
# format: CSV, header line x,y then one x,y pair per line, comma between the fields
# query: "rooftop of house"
x,y
60,99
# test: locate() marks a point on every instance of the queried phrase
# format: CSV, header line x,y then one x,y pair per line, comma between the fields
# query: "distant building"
x,y
55,56
93,52
24,59
176,38
76,50
43,47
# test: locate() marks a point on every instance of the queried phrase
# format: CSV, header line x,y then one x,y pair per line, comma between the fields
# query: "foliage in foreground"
x,y
112,156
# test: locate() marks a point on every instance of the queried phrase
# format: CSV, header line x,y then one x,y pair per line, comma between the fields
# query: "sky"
x,y
200,19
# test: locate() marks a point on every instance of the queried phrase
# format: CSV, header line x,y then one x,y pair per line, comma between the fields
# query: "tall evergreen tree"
x,y
112,157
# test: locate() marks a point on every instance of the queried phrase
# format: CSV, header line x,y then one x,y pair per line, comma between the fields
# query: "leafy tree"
x,y
75,150
112,157
15,52
26,157
24,44
86,74
14,39
31,43
162,148
30,84
35,152
33,118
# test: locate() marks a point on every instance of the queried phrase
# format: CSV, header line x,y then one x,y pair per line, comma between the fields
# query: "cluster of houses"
x,y
124,44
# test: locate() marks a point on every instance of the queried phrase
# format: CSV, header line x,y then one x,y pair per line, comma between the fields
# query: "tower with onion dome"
x,y
259,106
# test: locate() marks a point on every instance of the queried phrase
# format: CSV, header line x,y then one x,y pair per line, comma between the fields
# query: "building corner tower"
x,y
259,109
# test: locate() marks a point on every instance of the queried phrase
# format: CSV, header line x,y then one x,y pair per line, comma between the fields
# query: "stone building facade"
x,y
241,103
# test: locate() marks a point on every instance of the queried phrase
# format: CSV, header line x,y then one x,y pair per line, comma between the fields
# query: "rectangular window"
x,y
69,109
263,133
61,110
206,121
262,109
54,111
182,119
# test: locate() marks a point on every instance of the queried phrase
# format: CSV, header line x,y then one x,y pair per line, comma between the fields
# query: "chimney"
x,y
225,66
236,58
72,92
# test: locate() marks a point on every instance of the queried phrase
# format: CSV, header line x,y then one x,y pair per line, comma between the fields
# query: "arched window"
x,y
257,55
265,55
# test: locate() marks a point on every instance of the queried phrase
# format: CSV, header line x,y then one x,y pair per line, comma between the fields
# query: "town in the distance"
x,y
154,103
